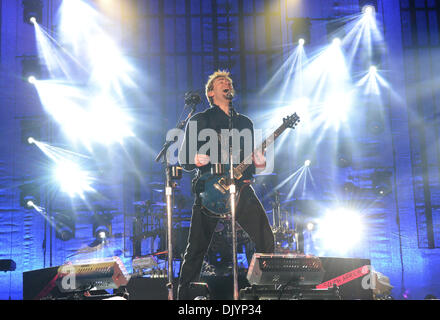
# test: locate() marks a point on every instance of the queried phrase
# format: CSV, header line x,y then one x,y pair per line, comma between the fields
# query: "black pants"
x,y
250,215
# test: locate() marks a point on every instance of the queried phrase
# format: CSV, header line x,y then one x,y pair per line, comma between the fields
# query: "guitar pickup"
x,y
219,188
224,183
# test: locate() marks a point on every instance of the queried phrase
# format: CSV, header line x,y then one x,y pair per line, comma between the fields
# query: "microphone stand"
x,y
169,170
232,190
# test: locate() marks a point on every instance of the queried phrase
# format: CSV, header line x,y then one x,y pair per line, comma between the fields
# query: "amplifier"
x,y
100,275
62,282
284,269
288,293
348,274
144,265
38,284
149,288
290,272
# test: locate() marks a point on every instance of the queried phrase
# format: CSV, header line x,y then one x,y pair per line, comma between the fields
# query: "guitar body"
x,y
216,197
214,190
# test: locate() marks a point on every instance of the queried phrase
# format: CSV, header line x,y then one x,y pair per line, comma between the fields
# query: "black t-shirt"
x,y
214,118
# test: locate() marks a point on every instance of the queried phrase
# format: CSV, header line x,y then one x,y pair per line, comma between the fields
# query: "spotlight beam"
x,y
72,179
51,51
41,211
292,190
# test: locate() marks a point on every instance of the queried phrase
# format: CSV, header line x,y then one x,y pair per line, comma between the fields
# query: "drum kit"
x,y
281,215
150,218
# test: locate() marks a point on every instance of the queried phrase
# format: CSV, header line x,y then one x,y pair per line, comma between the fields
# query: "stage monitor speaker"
x,y
149,288
40,284
222,287
341,268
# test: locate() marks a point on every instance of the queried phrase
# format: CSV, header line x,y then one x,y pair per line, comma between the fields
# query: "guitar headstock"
x,y
291,121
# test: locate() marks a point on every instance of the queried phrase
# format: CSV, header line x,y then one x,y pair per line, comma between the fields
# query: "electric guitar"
x,y
215,196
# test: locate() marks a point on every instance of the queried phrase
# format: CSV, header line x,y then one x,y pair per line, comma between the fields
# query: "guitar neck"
x,y
238,170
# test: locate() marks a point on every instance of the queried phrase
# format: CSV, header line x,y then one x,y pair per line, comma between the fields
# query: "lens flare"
x,y
72,179
340,229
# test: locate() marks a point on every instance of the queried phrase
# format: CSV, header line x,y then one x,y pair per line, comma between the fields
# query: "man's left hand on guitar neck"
x,y
259,159
260,162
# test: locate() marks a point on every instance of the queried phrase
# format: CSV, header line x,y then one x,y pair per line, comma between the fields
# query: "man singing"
x,y
250,214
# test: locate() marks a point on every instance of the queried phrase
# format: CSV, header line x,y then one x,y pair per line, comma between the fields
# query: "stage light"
x,y
31,140
337,42
301,30
72,179
29,195
30,68
32,11
340,229
64,226
373,69
102,234
32,79
369,10
310,226
368,7
30,128
307,163
102,226
381,182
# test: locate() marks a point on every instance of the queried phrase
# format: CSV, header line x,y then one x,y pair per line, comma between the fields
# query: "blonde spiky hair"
x,y
210,84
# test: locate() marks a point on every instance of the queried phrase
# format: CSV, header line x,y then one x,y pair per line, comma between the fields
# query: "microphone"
x,y
229,94
192,99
